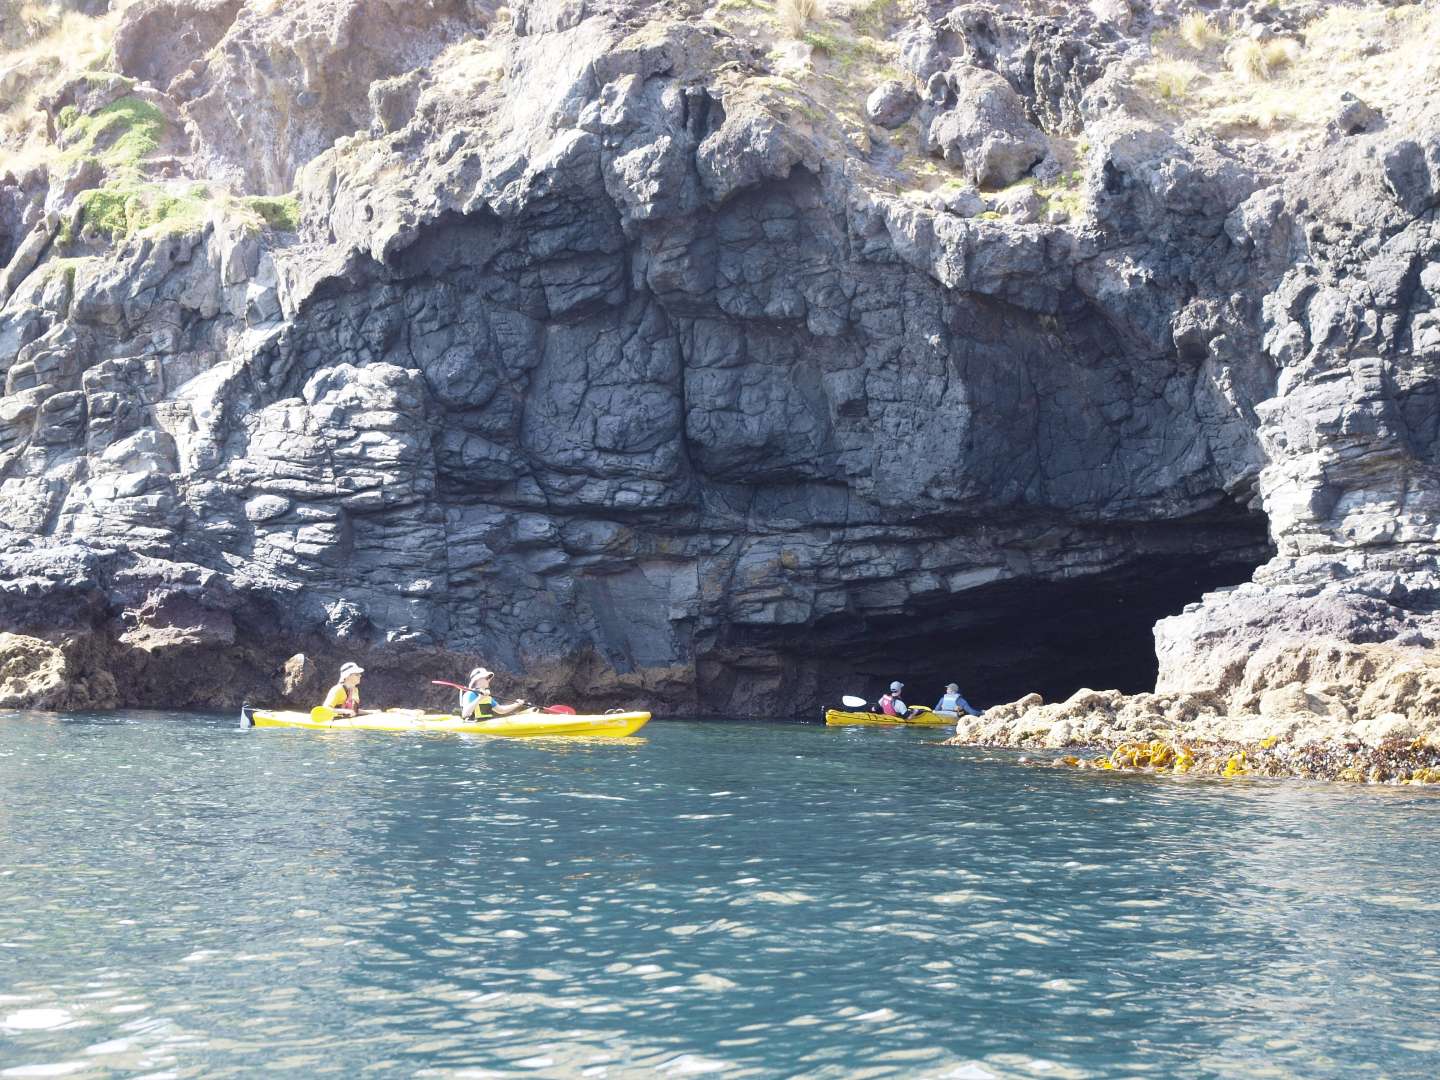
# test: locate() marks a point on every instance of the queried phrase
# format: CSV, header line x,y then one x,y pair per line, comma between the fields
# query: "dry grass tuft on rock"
x,y
1257,62
1199,32
1286,92
1173,78
56,47
796,15
37,20
1247,62
1281,53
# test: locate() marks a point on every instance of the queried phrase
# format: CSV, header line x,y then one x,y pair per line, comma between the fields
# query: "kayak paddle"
x,y
850,701
566,709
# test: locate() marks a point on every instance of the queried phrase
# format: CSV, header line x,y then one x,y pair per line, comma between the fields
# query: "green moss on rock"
x,y
121,134
279,212
125,208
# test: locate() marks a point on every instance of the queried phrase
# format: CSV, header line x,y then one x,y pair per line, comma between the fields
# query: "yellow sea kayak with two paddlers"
x,y
520,725
918,717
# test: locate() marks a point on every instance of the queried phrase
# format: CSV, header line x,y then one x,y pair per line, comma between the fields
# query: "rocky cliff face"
x,y
618,346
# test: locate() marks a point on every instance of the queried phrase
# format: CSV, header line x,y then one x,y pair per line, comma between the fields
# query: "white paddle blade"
x,y
850,701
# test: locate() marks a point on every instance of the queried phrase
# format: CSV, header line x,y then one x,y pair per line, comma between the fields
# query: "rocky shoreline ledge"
x,y
1363,713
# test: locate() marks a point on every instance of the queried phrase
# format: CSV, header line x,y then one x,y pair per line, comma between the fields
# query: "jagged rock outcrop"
x,y
980,125
600,351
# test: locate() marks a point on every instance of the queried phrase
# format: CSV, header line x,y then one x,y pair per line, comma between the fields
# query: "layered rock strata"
x,y
604,344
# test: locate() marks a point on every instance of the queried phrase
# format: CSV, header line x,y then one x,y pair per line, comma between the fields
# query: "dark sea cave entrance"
x,y
1003,641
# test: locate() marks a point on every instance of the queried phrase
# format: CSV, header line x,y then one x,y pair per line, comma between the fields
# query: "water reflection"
x,y
179,897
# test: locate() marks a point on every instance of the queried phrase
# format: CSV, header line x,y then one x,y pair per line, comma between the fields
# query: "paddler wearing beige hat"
x,y
477,703
344,696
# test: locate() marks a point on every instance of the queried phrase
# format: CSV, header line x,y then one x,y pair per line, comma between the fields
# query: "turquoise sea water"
x,y
181,898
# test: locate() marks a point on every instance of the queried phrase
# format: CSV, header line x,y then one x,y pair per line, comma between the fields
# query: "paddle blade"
x,y
566,709
321,714
442,682
850,701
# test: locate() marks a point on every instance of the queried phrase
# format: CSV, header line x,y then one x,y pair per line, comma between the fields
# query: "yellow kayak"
x,y
921,718
516,726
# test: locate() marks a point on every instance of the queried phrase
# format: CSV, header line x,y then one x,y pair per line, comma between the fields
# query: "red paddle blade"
x,y
442,682
560,709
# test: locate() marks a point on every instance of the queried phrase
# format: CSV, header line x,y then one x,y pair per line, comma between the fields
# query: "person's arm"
x,y
514,706
969,708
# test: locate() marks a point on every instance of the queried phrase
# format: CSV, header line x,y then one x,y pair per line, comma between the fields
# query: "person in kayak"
x,y
890,703
952,704
344,696
477,703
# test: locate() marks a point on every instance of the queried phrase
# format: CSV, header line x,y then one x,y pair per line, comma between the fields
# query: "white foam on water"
x,y
538,1062
587,795
692,1065
968,1072
962,896
706,981
57,1068
786,899
114,1046
880,1015
36,1019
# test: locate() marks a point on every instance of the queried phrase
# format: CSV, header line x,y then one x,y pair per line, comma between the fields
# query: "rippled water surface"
x,y
181,898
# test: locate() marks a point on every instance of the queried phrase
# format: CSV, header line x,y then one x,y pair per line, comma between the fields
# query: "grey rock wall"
x,y
594,362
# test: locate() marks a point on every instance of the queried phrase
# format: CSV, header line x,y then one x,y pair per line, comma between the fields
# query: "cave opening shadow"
x,y
1006,640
